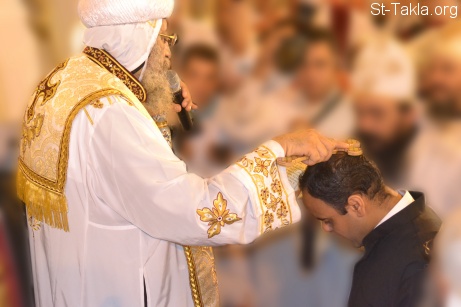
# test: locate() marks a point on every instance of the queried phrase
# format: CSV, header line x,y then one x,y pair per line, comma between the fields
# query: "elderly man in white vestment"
x,y
115,219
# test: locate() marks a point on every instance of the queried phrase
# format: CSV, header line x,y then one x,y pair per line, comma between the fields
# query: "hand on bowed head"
x,y
311,144
187,102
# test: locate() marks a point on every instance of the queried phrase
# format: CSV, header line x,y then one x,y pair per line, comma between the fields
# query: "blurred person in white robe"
x,y
329,108
191,29
267,104
436,153
260,109
114,217
236,29
440,76
270,13
387,114
428,28
415,145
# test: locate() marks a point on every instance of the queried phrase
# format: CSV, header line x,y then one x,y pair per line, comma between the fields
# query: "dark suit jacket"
x,y
392,270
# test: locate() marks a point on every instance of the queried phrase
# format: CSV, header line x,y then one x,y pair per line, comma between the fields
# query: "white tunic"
x,y
132,205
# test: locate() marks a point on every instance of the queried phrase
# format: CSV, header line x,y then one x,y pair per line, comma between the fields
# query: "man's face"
x,y
441,85
380,122
201,76
348,226
318,73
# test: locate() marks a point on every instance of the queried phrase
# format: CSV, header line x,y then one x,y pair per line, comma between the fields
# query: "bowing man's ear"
x,y
356,205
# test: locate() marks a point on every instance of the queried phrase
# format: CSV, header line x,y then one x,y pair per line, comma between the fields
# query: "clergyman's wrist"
x,y
282,142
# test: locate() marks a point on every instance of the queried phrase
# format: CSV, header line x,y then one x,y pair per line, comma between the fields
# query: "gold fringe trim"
x,y
45,199
44,205
194,286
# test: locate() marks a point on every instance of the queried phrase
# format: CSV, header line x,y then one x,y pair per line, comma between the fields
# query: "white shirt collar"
x,y
404,202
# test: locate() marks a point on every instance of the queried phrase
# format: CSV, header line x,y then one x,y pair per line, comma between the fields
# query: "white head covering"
x,y
383,68
126,29
96,13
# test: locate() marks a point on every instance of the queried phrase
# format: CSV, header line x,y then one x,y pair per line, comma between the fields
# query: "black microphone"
x,y
175,86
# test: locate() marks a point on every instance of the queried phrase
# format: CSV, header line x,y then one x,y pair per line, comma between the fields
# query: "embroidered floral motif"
x,y
34,223
262,152
247,163
218,216
265,194
262,166
276,187
268,220
282,211
97,104
272,205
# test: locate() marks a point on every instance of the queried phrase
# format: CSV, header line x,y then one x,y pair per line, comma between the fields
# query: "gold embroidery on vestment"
x,y
45,90
44,154
218,216
97,104
202,276
105,60
34,223
273,198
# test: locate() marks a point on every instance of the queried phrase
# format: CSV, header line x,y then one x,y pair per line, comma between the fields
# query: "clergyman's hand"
x,y
309,143
187,102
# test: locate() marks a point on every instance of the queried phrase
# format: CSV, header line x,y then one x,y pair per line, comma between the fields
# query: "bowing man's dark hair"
x,y
335,180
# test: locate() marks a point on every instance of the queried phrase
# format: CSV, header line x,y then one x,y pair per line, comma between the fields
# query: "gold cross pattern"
x,y
353,150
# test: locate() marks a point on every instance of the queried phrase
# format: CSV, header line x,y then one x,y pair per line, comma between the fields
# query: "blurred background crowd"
x,y
257,69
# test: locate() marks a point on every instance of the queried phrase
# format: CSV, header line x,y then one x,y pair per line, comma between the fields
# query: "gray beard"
x,y
159,97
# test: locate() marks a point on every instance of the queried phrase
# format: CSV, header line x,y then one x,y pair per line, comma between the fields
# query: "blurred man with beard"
x,y
436,153
413,151
387,117
112,209
441,76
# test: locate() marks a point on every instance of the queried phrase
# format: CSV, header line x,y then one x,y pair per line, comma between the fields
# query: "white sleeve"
x,y
137,175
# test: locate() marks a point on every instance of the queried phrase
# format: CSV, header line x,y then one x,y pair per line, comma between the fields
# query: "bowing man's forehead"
x,y
318,208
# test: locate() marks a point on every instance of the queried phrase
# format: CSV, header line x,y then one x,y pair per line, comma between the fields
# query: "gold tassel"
x,y
44,205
